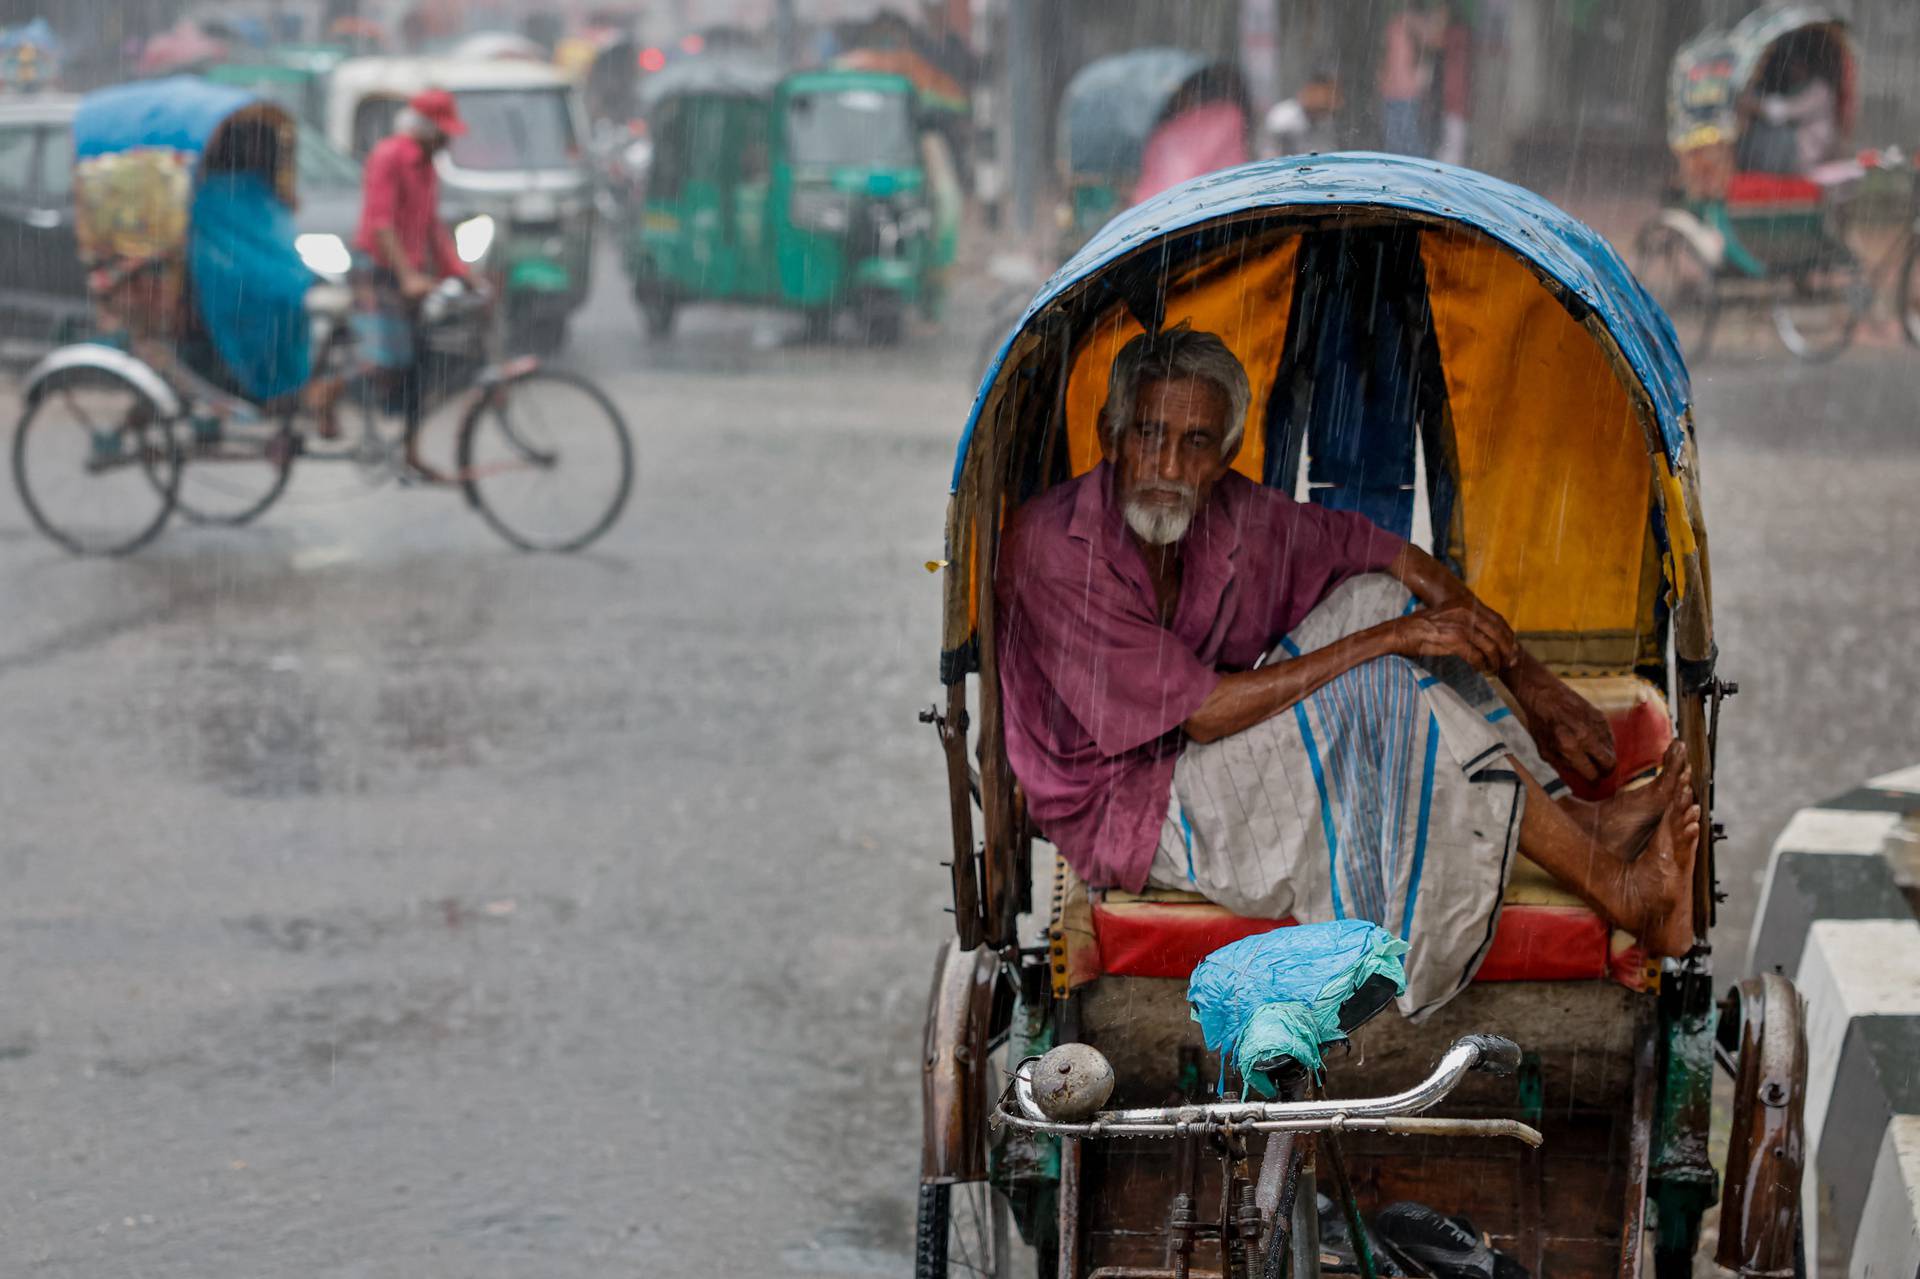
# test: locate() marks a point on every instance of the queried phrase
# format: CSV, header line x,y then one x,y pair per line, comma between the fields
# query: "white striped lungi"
x,y
1388,794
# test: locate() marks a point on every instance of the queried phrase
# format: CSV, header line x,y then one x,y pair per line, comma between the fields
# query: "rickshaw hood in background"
x,y
142,191
1111,107
1566,394
1713,69
180,113
719,74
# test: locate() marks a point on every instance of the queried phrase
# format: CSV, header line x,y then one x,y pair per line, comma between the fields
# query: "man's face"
x,y
1170,456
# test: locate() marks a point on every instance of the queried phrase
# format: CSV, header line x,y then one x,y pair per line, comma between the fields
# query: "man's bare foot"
x,y
1657,887
1625,823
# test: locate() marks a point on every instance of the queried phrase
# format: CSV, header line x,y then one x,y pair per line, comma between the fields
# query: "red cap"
x,y
438,106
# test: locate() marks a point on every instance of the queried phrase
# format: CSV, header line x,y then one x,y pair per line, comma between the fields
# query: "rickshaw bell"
x,y
1161,614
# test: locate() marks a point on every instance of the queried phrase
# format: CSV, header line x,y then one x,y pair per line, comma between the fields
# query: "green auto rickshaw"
x,y
810,191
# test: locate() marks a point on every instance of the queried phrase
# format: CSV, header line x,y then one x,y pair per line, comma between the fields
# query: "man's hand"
x,y
1469,631
1570,731
415,285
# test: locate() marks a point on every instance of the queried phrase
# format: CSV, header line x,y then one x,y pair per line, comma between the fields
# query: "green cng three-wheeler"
x,y
807,191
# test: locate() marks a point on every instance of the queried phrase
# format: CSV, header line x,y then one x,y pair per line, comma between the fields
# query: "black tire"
x,y
119,492
965,1238
233,479
883,319
526,430
1683,282
658,308
1908,299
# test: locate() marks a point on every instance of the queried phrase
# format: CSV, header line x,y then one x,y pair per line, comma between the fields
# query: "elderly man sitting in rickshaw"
x,y
1209,686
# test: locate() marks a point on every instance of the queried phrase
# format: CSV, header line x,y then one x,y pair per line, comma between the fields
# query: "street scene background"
x,y
386,902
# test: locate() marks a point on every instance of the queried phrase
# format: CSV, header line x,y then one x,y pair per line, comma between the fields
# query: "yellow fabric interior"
x,y
1554,473
1245,301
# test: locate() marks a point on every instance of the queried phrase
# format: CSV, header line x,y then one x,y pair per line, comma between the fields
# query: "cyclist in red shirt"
x,y
404,248
400,226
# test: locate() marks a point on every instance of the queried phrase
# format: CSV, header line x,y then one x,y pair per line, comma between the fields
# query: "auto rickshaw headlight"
x,y
472,238
325,255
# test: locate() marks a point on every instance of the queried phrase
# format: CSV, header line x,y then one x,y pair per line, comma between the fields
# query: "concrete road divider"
x,y
1837,916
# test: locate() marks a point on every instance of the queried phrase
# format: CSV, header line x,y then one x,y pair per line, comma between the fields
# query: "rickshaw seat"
x,y
1772,189
1545,932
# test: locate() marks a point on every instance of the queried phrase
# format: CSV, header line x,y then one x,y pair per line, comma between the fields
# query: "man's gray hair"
x,y
1178,352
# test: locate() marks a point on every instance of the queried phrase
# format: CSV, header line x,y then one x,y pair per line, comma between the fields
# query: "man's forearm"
x,y
1432,582
1244,698
393,254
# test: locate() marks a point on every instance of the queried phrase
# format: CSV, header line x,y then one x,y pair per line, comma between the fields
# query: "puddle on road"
x,y
350,931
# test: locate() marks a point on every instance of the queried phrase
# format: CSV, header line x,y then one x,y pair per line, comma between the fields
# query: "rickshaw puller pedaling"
x,y
213,327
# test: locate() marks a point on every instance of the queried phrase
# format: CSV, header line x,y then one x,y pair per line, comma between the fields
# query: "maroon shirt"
x,y
1096,688
400,190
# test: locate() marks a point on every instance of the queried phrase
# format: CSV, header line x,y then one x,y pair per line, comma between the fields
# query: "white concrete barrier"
x,y
1835,916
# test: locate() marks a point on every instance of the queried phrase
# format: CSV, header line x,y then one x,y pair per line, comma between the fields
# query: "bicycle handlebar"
x,y
1489,1053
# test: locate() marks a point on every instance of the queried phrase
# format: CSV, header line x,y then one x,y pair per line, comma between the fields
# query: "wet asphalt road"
x,y
383,902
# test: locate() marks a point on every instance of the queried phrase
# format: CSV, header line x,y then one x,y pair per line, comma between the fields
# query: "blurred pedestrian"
x,y
1456,85
1304,122
1406,75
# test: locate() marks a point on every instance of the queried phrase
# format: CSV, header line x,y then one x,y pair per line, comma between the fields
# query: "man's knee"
x,y
1368,600
1391,674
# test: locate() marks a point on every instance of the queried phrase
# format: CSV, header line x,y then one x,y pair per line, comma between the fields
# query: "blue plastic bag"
x,y
1277,996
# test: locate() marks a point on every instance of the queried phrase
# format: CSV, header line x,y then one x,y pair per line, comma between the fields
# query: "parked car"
x,y
43,291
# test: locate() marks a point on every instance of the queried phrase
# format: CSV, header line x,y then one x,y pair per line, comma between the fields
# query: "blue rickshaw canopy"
x,y
1553,242
180,113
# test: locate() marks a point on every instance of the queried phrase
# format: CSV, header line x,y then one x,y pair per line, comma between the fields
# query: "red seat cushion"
x,y
1544,933
1141,937
1772,188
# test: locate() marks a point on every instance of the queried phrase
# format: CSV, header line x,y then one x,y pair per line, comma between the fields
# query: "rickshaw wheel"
x,y
1683,282
84,434
962,1229
237,474
1823,306
1909,298
546,459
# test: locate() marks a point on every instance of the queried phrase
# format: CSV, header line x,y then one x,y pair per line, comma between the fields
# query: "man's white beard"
x,y
1157,524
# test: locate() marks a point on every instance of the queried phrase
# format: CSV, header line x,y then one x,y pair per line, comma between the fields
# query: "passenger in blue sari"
x,y
249,287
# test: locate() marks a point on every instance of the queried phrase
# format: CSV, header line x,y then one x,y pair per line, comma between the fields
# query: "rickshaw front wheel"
x,y
96,463
962,1229
545,459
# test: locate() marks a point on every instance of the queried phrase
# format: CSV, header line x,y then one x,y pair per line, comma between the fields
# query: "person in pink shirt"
x,y
1405,76
1210,686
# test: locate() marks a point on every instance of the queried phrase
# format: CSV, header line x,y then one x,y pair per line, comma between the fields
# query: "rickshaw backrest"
x,y
1385,308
